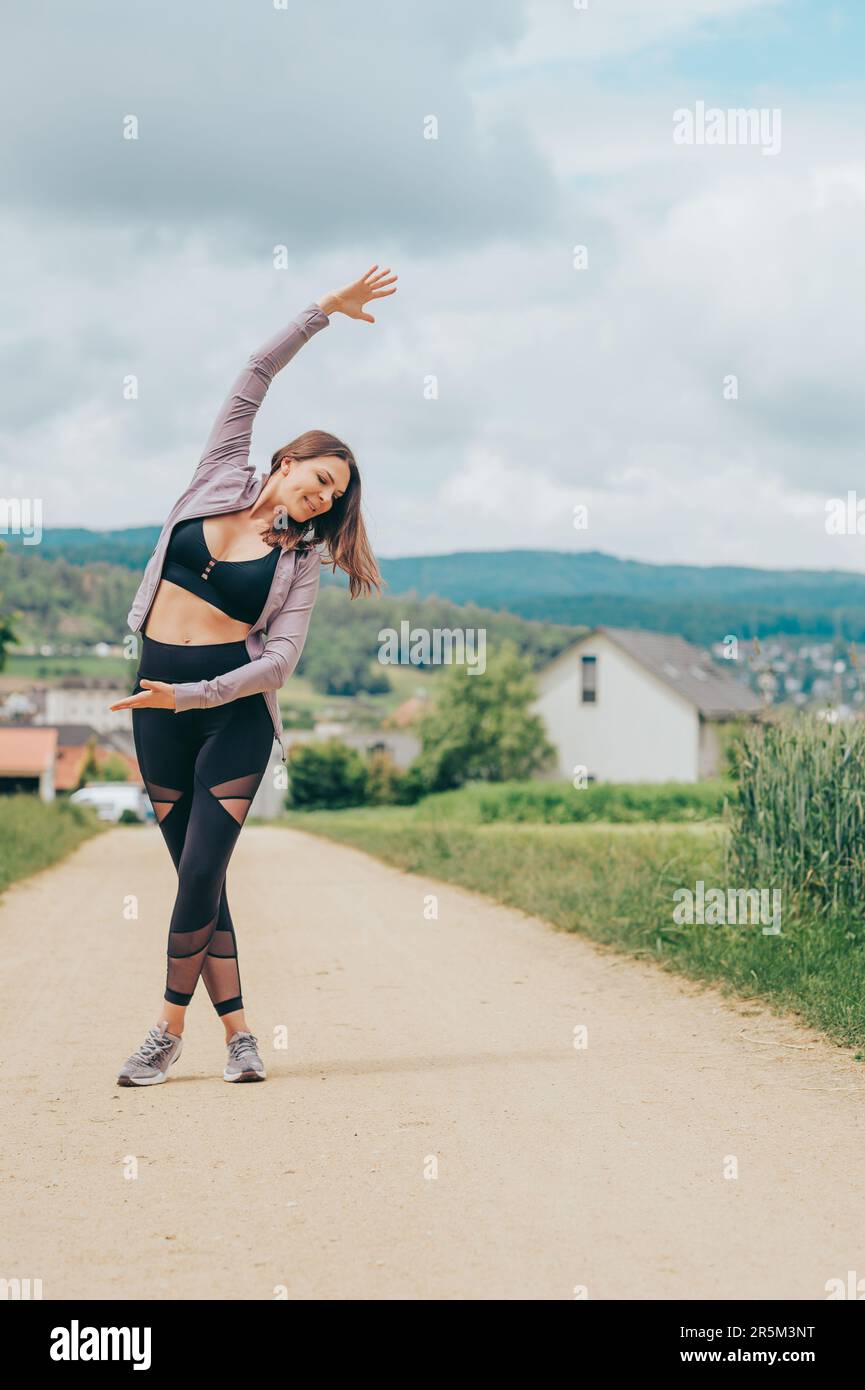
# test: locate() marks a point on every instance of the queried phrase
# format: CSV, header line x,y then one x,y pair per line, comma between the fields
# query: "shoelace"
x,y
153,1044
244,1043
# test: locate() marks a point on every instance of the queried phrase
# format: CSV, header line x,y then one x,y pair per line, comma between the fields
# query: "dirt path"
x,y
410,1043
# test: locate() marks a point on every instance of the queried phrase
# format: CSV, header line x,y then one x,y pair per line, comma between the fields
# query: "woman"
x,y
237,560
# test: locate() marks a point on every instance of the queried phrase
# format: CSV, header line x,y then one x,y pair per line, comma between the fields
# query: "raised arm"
x,y
230,439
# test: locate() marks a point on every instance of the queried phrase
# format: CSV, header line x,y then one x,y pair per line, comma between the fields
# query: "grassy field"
x,y
53,667
35,834
615,884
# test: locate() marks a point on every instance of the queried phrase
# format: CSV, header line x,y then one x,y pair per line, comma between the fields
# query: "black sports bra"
x,y
238,588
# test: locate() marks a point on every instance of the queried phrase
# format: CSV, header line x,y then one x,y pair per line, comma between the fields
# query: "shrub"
x,y
326,774
114,769
606,801
410,787
559,803
383,778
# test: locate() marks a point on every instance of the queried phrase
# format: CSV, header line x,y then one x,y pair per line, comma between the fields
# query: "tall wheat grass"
x,y
797,821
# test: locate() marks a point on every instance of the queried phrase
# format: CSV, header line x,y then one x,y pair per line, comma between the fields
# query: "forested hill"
x,y
586,588
702,604
525,575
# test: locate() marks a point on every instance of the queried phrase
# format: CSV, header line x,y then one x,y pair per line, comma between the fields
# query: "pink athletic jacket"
x,y
225,481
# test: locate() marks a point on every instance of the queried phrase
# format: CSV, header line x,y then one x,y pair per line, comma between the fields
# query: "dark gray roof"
x,y
72,735
686,668
121,739
78,735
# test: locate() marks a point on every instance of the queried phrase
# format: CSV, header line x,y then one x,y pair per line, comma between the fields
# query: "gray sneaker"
x,y
244,1063
150,1064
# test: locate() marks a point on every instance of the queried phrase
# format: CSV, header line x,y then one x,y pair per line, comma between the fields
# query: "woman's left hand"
x,y
350,300
154,695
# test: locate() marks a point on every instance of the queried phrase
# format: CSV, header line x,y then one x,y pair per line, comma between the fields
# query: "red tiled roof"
x,y
67,771
26,751
71,760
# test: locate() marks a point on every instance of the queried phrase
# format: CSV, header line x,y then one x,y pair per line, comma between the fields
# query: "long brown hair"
x,y
341,529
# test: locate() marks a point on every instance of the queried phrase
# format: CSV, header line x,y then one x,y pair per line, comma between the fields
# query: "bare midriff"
x,y
183,619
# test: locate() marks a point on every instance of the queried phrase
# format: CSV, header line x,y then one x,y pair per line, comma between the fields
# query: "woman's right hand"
x,y
351,298
154,695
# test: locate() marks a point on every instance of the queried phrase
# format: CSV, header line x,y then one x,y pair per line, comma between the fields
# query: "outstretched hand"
x,y
154,695
351,298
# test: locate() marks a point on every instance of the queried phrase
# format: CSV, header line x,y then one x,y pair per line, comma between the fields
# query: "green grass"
x,y
35,834
53,667
615,884
364,709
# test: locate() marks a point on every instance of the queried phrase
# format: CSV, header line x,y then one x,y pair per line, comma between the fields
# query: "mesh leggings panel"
x,y
202,769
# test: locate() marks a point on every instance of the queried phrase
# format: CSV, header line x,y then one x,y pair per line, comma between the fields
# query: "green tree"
x,y
342,665
114,769
104,767
481,727
90,771
8,635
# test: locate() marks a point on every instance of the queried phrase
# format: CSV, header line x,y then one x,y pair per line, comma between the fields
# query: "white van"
x,y
111,799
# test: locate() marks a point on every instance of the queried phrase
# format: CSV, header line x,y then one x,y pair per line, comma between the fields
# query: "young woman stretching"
x,y
236,561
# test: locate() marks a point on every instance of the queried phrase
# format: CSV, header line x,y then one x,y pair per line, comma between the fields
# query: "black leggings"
x,y
201,769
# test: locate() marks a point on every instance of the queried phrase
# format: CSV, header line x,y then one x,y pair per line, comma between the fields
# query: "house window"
x,y
589,672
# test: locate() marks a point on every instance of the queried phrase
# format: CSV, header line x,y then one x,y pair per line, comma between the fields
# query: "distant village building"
x,y
85,700
75,742
403,747
27,760
631,706
72,746
19,705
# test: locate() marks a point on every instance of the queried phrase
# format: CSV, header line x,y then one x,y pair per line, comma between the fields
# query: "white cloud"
x,y
565,32
556,386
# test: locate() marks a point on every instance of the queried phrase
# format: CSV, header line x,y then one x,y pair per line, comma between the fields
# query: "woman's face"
x,y
308,487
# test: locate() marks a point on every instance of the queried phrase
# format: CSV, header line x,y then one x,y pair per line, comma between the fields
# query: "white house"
x,y
86,700
633,706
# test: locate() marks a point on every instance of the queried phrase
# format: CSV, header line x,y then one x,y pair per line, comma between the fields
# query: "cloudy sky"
x,y
601,385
